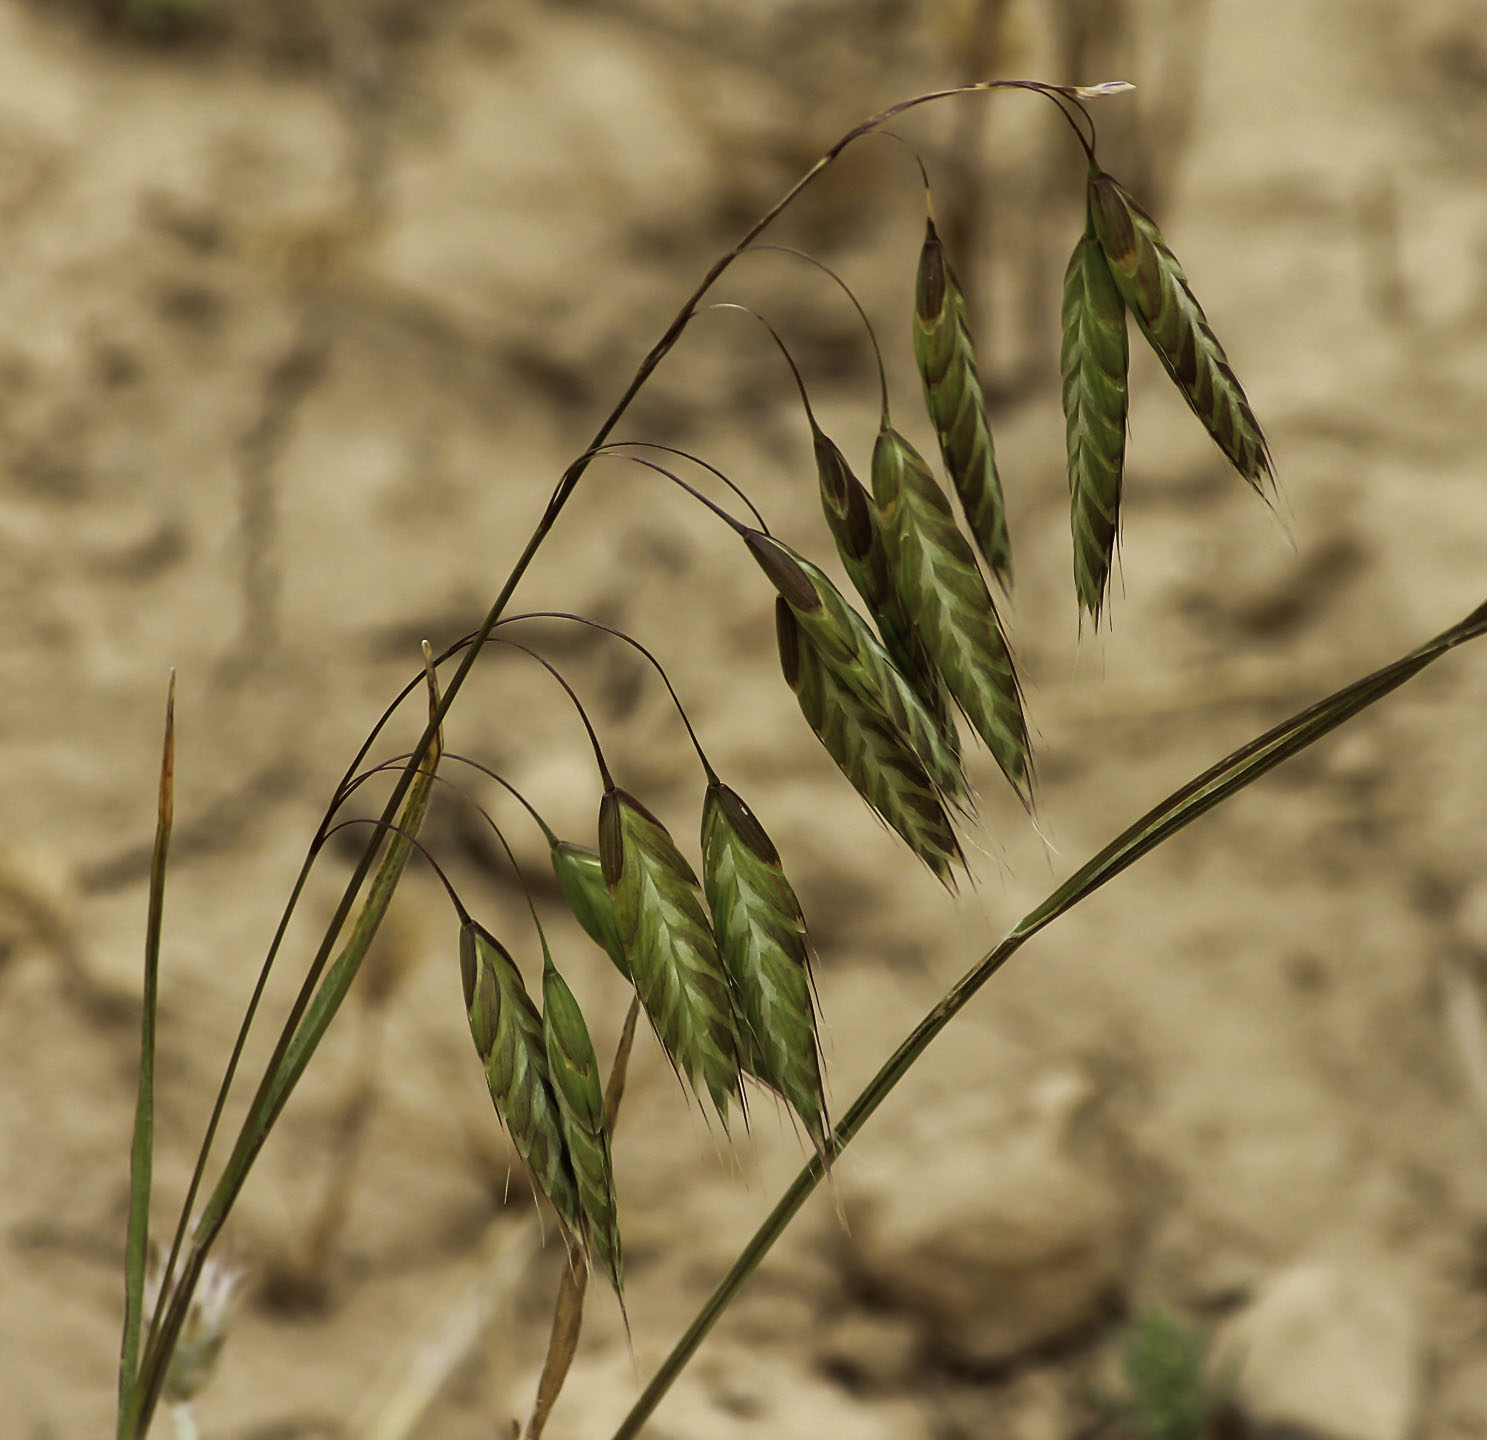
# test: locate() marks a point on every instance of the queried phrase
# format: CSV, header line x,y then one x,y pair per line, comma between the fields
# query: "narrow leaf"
x,y
1244,767
141,1155
1286,739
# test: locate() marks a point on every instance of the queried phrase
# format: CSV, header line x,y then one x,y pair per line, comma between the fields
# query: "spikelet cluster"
x,y
761,936
722,966
946,356
1157,293
672,952
1094,360
509,1039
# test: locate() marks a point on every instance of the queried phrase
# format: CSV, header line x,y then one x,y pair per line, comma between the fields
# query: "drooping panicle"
x,y
946,356
1154,287
508,1036
869,750
942,588
761,936
674,961
573,1072
1094,360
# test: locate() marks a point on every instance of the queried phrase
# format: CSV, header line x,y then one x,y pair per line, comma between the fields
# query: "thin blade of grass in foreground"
x,y
942,588
318,1014
343,969
1229,776
1093,360
673,955
1152,283
946,356
868,750
141,1157
762,938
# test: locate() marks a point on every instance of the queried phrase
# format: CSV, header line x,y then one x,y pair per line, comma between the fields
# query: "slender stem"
x,y
810,1176
1212,787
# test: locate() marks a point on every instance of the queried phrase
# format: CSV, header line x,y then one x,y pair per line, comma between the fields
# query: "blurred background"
x,y
303,310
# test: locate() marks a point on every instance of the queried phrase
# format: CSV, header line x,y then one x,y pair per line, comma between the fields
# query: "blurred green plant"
x,y
1173,1388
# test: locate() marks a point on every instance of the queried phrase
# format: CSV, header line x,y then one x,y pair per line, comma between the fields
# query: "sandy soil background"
x,y
302,314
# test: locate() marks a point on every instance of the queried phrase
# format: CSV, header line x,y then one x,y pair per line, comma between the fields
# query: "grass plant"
x,y
720,965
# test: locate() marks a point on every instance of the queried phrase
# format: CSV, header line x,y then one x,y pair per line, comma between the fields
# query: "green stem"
x,y
1159,824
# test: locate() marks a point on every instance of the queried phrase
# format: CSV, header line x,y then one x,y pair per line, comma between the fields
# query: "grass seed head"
x,y
946,356
678,973
761,936
942,587
847,643
507,1031
1094,361
869,750
853,521
580,875
1153,285
573,1072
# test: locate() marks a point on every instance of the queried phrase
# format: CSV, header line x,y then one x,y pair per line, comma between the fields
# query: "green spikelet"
x,y
848,646
870,751
859,541
762,938
1094,360
942,588
507,1031
574,1075
580,875
952,394
678,973
1153,285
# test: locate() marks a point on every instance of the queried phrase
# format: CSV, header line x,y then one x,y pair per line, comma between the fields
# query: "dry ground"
x,y
299,321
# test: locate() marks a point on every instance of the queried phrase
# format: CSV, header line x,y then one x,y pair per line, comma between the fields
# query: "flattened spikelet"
x,y
507,1031
678,973
952,392
1153,285
936,572
853,521
1094,359
580,877
859,662
868,749
573,1072
762,938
